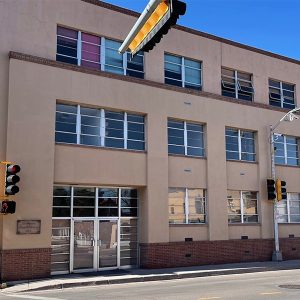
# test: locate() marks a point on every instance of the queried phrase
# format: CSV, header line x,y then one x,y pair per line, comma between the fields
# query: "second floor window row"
x,y
79,48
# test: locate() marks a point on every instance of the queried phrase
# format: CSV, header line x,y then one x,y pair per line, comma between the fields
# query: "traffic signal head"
x,y
11,179
8,207
154,22
271,189
281,190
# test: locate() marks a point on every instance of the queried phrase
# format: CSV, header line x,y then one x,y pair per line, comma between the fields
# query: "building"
x,y
159,161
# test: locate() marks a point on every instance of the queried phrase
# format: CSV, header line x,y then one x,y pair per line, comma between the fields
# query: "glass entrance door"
x,y
108,243
84,244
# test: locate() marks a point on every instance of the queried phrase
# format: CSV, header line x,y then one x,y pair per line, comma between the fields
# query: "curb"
x,y
146,278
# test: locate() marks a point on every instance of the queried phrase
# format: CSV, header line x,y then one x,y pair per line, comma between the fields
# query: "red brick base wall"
x,y
22,264
183,254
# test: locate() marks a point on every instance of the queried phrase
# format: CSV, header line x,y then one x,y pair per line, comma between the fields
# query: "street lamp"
x,y
290,116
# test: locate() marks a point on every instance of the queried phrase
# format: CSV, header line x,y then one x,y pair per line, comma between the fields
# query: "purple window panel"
x,y
67,32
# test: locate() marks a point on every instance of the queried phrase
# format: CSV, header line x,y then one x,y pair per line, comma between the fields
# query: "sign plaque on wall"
x,y
28,226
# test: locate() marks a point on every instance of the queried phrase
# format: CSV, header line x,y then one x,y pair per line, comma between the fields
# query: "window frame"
x,y
237,84
281,89
182,68
240,145
102,128
187,207
287,205
286,157
102,54
185,137
242,214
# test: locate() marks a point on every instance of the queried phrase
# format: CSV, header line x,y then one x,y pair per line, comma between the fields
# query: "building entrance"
x,y
95,244
83,242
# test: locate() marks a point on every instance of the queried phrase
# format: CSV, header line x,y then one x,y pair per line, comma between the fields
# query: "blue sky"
x,y
272,25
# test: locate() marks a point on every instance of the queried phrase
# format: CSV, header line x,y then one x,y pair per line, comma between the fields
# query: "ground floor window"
x,y
289,210
187,206
94,228
242,207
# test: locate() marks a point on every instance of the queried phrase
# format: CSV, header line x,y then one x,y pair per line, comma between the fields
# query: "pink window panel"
x,y
90,51
90,38
67,32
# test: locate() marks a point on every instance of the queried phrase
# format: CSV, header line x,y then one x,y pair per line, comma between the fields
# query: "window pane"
x,y
196,198
66,45
65,138
176,149
134,145
176,205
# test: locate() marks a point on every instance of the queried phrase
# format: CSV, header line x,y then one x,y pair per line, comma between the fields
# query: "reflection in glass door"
x,y
84,243
108,243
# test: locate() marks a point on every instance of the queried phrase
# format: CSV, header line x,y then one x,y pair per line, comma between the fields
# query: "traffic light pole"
x,y
289,116
277,255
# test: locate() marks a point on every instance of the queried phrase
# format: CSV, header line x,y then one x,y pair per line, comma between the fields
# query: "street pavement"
x,y
281,284
144,275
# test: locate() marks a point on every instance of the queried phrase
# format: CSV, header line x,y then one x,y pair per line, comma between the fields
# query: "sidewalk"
x,y
142,275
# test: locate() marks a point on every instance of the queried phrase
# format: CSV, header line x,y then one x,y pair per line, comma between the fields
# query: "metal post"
x,y
277,255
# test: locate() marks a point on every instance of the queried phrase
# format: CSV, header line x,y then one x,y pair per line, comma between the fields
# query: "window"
x,y
187,206
185,138
98,127
91,51
184,72
237,84
281,94
289,210
240,145
242,207
286,150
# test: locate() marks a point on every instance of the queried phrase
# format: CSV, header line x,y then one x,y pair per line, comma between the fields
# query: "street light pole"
x,y
277,255
290,116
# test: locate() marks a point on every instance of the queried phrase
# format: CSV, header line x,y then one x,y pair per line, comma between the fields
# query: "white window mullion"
x,y
78,124
236,84
102,128
125,130
79,47
96,203
288,208
183,71
242,207
71,258
119,230
186,203
285,149
102,54
124,63
185,138
240,144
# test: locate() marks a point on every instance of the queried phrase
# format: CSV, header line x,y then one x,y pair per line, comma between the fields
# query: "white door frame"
x,y
96,222
73,220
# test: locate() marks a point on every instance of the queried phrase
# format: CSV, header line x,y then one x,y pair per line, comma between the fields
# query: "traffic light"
x,y
11,179
281,190
8,207
154,22
271,189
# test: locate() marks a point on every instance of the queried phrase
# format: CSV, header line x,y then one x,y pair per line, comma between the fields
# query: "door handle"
x,y
93,242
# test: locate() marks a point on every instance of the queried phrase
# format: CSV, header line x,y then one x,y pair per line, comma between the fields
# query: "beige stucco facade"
x,y
29,91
